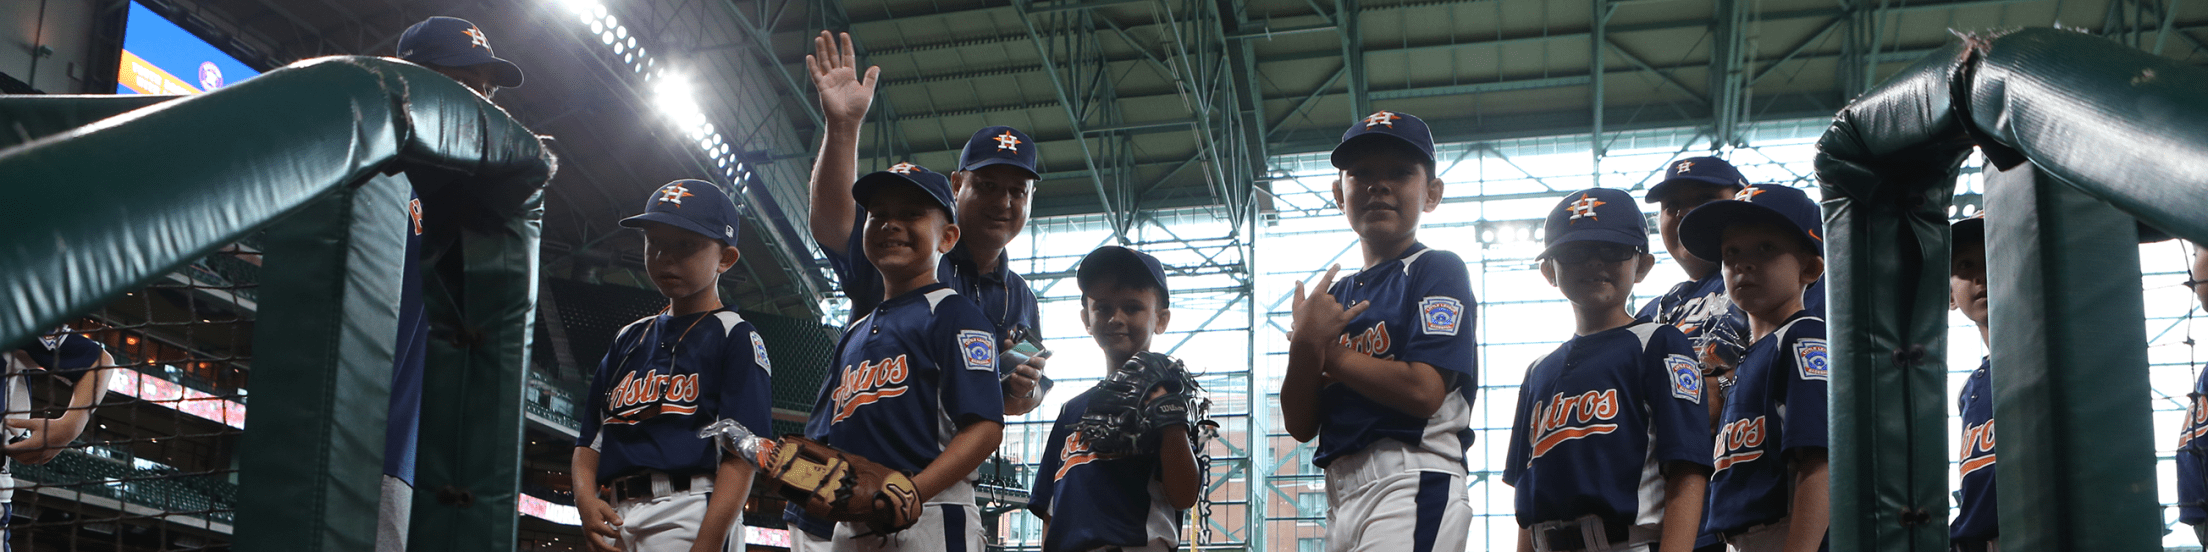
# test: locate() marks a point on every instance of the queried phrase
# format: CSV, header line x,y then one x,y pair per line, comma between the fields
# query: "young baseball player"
x,y
1127,503
77,361
2192,450
995,177
1610,448
915,384
1698,306
665,377
1770,491
1382,365
1977,527
454,48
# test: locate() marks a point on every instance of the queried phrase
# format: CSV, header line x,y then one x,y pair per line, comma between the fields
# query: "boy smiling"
x,y
1129,503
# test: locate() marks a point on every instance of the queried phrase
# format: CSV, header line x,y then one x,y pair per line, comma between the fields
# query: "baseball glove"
x,y
1122,418
829,484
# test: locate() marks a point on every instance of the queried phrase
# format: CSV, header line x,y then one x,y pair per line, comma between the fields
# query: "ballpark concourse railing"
x,y
110,193
2092,139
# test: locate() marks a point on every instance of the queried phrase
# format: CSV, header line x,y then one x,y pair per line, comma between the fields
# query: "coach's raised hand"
x,y
844,97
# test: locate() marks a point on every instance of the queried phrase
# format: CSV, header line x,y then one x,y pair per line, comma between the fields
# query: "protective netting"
x,y
154,469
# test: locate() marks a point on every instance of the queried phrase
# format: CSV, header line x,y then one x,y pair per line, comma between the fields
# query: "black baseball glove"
x,y
1123,419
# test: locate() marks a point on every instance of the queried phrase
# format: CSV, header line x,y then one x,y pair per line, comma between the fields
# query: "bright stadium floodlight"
x,y
580,7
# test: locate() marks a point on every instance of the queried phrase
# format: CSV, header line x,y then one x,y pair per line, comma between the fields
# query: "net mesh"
x,y
155,466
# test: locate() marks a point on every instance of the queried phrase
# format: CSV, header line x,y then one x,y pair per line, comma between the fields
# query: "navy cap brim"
x,y
671,220
1656,193
509,75
1703,229
1618,236
994,161
1365,142
868,185
1110,260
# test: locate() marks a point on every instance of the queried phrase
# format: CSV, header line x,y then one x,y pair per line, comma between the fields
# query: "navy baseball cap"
x,y
1114,259
454,42
934,183
999,145
1385,127
1969,230
1596,214
694,205
1696,170
1703,229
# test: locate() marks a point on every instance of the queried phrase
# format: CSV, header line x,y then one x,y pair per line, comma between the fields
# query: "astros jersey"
x,y
1002,295
908,376
1111,502
1776,405
1421,312
1701,310
2192,458
1979,520
665,377
1597,420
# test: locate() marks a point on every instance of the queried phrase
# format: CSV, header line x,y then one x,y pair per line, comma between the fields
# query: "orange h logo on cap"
x,y
1585,208
674,193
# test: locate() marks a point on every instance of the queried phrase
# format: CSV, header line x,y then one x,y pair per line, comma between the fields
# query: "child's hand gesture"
x,y
1318,319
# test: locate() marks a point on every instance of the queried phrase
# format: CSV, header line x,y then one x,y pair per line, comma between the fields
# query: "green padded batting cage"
x,y
2091,141
142,222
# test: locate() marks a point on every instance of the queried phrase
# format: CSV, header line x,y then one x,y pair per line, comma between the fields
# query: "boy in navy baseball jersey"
x,y
2192,450
996,176
1698,306
1128,503
1770,491
665,377
914,386
1977,527
1382,365
1610,448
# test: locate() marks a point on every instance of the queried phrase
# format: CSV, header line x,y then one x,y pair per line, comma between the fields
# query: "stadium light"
x,y
671,93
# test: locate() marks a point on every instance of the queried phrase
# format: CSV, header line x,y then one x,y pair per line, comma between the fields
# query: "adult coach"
x,y
993,185
455,48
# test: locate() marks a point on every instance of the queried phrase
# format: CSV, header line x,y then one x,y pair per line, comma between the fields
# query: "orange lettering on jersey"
x,y
1739,441
636,399
1374,342
1075,452
2195,414
868,383
1563,418
1977,439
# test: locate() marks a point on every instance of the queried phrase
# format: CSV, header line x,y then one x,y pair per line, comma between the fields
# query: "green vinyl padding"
x,y
102,208
2116,135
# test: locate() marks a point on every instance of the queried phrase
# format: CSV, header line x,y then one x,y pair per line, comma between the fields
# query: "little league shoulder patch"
x,y
1440,315
1810,357
759,352
979,348
1686,378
